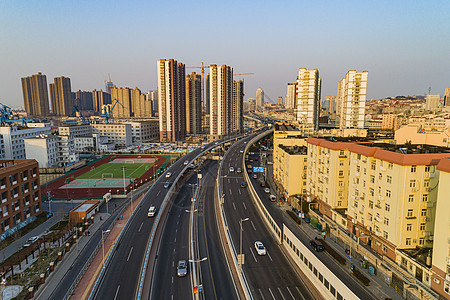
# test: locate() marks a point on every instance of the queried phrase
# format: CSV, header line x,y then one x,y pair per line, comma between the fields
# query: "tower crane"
x,y
203,67
107,113
243,74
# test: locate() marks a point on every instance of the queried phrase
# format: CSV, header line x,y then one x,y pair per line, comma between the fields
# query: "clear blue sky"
x,y
405,45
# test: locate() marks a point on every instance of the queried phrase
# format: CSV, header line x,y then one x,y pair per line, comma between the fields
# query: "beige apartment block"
x,y
328,174
220,97
289,168
351,99
441,244
309,86
237,106
417,135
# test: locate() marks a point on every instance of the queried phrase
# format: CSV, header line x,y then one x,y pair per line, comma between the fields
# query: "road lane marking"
x,y
244,205
175,240
281,293
228,180
117,291
253,225
140,227
172,282
158,193
300,293
239,192
230,192
272,294
261,294
173,265
269,256
129,254
251,250
234,206
290,292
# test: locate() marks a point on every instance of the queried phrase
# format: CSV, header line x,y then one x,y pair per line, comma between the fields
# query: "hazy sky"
x,y
405,45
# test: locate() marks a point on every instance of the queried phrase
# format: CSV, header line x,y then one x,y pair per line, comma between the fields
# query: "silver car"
x,y
182,268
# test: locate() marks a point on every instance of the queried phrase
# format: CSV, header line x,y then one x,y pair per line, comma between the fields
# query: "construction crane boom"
x,y
243,74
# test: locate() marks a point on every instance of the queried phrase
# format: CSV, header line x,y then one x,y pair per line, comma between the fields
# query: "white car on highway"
x,y
267,190
260,249
168,174
231,169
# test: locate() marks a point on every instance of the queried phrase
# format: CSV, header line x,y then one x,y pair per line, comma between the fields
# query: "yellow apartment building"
x,y
289,168
441,244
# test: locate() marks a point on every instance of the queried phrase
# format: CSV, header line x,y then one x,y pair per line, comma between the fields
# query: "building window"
x,y
408,242
373,166
411,198
413,169
390,166
427,168
385,249
412,183
423,212
386,221
371,204
341,173
388,193
371,192
426,183
389,179
425,198
422,227
380,176
341,183
409,213
408,227
385,235
341,163
372,179
387,207
422,242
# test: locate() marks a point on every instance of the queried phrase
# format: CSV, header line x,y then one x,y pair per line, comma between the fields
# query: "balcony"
x,y
430,174
36,198
430,204
378,219
37,209
380,198
35,187
14,182
382,168
342,188
414,189
410,217
4,200
425,219
16,195
25,178
34,175
27,203
25,191
5,214
3,186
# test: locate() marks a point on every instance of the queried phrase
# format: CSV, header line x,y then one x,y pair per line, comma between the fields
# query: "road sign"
x,y
258,169
195,289
200,288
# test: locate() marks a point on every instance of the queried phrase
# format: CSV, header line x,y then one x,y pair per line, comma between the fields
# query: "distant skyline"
x,y
404,45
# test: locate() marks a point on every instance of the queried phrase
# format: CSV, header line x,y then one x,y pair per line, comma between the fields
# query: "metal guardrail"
x,y
241,275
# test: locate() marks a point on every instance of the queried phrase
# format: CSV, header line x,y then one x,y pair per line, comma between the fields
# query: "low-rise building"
x,y
144,131
20,193
120,134
76,130
289,169
13,137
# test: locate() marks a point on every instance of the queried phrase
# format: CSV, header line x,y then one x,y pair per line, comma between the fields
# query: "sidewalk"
x,y
61,269
89,278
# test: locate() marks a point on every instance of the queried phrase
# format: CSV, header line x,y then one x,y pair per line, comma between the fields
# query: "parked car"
x,y
30,241
267,190
317,245
260,249
181,268
243,184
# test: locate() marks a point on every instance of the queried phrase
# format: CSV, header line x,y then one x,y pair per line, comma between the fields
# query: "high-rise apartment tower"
x,y
171,100
220,97
194,103
61,96
35,95
308,98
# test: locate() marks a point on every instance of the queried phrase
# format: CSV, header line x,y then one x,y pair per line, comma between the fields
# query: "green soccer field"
x,y
114,170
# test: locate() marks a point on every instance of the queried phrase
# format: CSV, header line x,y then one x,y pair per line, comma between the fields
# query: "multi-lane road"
x,y
270,276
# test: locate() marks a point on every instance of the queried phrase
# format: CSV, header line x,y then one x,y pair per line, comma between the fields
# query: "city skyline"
x,y
401,44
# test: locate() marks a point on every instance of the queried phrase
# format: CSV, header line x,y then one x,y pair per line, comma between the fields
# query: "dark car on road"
x,y
243,184
317,245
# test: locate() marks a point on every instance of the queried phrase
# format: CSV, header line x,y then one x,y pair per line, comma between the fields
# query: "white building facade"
x,y
309,86
351,99
220,97
120,134
13,139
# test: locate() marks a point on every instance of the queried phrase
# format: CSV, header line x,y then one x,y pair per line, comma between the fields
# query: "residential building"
x,y
441,246
109,85
122,108
60,96
84,100
35,95
75,130
51,151
289,169
259,99
141,107
194,103
171,100
207,94
94,143
221,93
20,192
144,131
351,99
308,99
100,98
447,97
416,134
433,102
280,101
13,137
291,96
120,134
237,106
153,97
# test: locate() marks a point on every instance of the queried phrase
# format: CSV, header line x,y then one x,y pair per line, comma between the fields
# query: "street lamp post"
x,y
123,170
103,246
240,243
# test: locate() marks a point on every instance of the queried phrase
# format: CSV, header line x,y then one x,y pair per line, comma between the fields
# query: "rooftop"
x,y
295,150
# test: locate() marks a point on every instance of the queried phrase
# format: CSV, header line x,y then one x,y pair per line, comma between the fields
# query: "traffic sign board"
x,y
258,169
